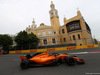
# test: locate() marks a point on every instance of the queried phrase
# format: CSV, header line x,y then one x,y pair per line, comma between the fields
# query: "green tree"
x,y
5,41
22,38
26,40
33,38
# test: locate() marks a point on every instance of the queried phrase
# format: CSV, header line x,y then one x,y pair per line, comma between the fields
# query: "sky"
x,y
16,15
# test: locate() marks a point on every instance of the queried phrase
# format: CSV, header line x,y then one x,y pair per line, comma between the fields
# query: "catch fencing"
x,y
55,44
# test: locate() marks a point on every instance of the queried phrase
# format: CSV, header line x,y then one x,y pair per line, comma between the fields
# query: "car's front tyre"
x,y
70,61
24,64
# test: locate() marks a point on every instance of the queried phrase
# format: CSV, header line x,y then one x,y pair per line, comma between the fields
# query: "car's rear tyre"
x,y
24,64
70,61
81,61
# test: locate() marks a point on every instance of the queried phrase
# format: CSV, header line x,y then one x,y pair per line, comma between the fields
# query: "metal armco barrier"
x,y
54,49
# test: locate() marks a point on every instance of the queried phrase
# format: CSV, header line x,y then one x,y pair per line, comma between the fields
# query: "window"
x,y
49,32
54,32
38,33
73,37
63,31
77,26
79,36
44,33
53,41
45,41
74,25
64,39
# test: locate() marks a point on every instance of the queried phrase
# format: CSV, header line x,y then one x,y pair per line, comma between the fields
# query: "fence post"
x,y
75,42
85,41
15,47
93,41
29,45
22,47
55,43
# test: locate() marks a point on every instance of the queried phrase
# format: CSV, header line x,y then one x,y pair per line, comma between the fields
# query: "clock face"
x,y
74,25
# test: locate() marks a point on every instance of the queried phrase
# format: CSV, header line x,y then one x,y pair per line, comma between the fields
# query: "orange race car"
x,y
44,58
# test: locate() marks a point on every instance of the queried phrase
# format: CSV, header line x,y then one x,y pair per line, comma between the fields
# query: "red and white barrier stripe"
x,y
86,52
94,52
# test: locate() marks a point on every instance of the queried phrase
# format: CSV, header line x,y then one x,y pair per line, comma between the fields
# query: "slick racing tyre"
x,y
24,64
81,61
70,61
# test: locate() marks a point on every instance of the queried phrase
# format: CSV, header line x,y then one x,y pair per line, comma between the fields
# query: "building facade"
x,y
74,30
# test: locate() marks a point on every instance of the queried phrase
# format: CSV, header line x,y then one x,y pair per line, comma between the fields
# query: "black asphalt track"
x,y
9,65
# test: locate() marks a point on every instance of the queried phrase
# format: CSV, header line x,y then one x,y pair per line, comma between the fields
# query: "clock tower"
x,y
54,18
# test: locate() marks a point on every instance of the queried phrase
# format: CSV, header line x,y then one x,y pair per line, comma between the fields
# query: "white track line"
x,y
79,53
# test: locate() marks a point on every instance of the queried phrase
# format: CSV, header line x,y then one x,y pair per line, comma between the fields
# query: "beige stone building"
x,y
74,30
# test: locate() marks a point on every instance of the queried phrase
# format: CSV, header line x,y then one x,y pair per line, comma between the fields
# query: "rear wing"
x,y
23,57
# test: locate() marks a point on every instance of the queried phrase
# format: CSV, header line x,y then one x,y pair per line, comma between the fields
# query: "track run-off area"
x,y
10,64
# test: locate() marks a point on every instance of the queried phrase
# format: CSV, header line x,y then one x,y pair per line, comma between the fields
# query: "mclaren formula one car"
x,y
44,58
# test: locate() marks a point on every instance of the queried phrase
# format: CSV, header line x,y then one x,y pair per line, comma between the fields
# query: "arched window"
x,y
64,39
44,33
38,33
53,41
54,32
49,32
73,37
63,31
79,36
45,41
